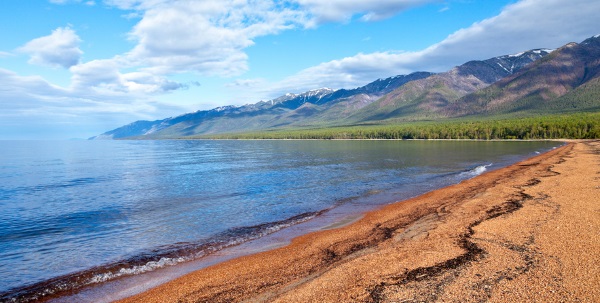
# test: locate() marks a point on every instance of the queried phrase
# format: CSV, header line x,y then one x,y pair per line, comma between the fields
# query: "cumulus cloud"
x,y
23,96
207,37
348,72
34,108
104,77
147,83
31,93
521,26
97,73
59,49
344,10
210,38
17,87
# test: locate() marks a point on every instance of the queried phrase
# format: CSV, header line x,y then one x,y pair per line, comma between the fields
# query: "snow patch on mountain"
x,y
504,68
223,108
540,51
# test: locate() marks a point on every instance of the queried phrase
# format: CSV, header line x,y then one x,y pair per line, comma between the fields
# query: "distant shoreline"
x,y
583,125
499,231
377,139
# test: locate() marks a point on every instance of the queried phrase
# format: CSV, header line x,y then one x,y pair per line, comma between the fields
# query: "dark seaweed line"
x,y
472,251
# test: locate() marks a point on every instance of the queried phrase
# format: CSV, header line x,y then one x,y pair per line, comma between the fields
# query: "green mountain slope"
x,y
551,84
429,98
525,85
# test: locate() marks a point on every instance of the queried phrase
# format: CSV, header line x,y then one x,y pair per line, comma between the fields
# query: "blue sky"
x,y
77,68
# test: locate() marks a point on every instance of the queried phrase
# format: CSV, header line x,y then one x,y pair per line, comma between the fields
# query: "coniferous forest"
x,y
570,126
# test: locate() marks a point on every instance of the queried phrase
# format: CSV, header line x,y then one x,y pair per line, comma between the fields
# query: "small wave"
x,y
475,171
146,262
136,270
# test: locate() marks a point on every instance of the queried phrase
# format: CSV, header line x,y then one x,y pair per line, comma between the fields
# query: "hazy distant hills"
x,y
533,82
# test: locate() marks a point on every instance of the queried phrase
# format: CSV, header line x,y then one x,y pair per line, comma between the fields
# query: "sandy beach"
x,y
528,232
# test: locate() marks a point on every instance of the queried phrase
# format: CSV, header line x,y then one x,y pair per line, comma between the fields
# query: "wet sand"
x,y
528,232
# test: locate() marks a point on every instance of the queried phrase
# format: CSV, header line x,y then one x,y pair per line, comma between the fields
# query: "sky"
x,y
78,68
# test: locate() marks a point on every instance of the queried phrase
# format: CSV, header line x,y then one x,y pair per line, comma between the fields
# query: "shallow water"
x,y
76,213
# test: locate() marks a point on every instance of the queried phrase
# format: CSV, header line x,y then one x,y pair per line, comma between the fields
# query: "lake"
x,y
79,213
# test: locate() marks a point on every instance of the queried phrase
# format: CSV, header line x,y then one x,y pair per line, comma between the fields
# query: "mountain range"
x,y
539,81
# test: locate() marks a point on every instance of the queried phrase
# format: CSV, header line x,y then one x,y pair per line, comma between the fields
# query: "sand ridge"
x,y
526,232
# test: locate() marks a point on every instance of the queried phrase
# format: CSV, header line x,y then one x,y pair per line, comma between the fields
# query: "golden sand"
x,y
526,233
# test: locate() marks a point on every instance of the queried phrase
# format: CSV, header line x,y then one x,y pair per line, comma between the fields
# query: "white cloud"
x,y
97,73
521,26
103,77
210,38
59,49
34,108
207,37
524,25
172,37
344,10
15,87
348,72
147,83
34,92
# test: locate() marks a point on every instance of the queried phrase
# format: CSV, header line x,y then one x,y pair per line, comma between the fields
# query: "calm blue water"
x,y
81,212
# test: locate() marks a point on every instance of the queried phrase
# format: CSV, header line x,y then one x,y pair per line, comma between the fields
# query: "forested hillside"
x,y
539,93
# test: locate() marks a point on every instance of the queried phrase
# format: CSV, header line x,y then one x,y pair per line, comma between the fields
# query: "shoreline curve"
x,y
500,236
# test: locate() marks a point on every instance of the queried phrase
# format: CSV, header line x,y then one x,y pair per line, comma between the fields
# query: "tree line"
x,y
572,126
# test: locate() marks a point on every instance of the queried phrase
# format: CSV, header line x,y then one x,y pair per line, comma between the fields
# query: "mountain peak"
x,y
493,69
318,91
594,39
541,85
517,82
222,108
538,51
